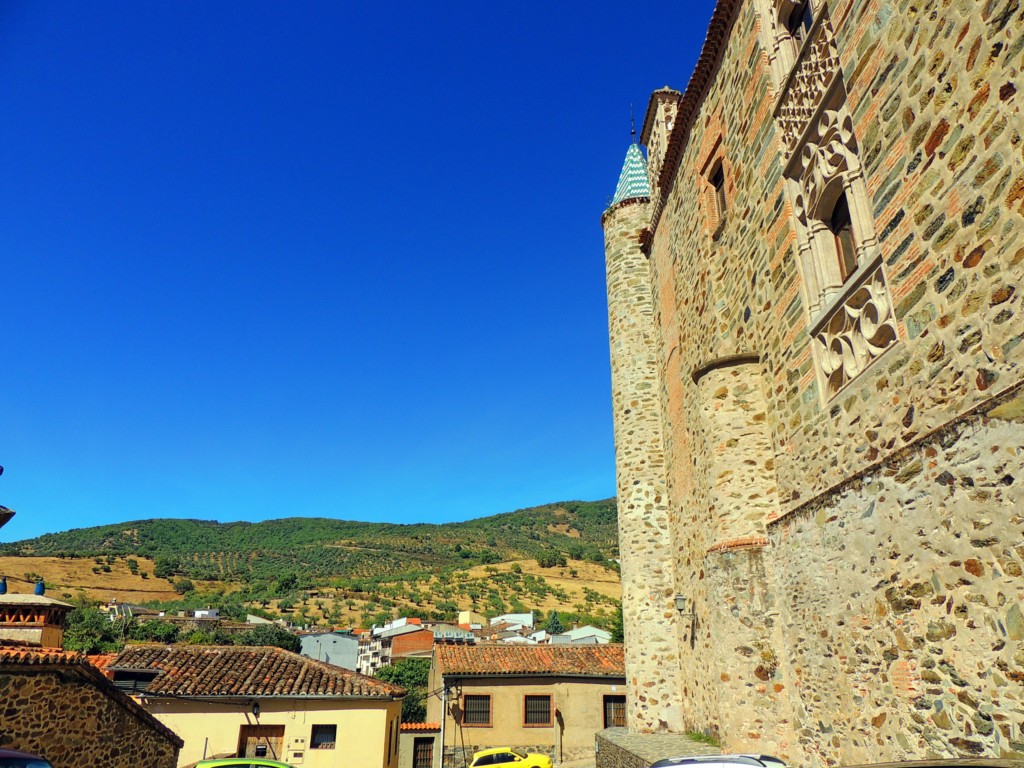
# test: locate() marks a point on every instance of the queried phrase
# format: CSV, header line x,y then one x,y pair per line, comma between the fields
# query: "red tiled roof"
x,y
78,665
214,670
26,656
502,659
421,727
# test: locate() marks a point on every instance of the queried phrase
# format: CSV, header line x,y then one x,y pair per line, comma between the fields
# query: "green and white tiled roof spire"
x,y
633,180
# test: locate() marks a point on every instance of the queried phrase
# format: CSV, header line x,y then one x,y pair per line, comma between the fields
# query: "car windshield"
x,y
23,762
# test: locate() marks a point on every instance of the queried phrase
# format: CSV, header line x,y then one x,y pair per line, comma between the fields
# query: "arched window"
x,y
841,226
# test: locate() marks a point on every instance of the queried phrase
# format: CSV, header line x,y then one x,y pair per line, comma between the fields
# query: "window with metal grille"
x,y
476,709
423,752
614,711
537,710
323,737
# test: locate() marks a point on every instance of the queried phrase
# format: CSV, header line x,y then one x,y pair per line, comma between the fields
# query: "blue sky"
x,y
297,259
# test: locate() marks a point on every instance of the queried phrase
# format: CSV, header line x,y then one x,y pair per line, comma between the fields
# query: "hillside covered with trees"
x,y
334,572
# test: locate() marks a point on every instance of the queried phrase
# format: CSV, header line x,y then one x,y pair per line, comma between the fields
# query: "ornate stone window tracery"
x,y
848,300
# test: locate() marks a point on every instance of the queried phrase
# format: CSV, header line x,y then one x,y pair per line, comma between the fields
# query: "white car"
x,y
721,761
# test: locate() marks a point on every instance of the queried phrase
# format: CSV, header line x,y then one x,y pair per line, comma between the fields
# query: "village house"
x,y
536,698
58,705
419,745
338,648
814,303
264,702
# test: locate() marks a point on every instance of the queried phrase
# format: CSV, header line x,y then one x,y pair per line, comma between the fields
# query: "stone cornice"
x,y
623,204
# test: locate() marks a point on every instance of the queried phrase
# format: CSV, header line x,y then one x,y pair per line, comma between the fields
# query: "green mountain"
x,y
315,549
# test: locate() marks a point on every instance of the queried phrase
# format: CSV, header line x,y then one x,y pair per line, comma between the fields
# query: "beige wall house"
x,y
815,313
266,702
420,745
549,699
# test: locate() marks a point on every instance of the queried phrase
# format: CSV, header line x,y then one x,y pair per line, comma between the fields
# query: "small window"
x,y
323,737
423,752
718,182
841,226
537,710
476,709
615,711
799,21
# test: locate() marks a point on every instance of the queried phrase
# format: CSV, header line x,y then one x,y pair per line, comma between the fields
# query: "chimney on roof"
x,y
33,620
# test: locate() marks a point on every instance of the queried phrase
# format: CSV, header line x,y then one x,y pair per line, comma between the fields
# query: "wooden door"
x,y
261,741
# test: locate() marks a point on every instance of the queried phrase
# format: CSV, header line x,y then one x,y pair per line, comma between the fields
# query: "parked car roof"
x,y
757,761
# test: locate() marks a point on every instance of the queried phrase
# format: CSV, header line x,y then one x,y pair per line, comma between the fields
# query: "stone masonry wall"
x,y
873,612
933,93
649,616
74,725
902,599
712,284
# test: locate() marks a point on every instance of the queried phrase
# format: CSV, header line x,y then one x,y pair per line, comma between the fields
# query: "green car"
x,y
241,762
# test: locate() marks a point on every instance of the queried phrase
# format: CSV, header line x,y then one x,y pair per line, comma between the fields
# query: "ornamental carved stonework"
x,y
858,332
812,76
829,153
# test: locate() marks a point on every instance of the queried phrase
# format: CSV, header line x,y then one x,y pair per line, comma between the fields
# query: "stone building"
x,y
814,287
58,705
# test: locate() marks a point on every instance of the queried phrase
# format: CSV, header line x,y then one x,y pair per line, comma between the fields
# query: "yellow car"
x,y
500,755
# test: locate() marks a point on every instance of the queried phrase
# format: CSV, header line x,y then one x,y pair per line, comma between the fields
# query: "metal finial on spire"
x,y
632,124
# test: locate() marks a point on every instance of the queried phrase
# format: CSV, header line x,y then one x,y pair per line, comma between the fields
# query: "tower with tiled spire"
x,y
650,616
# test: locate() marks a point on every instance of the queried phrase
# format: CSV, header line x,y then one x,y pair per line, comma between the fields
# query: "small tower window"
x,y
718,183
799,21
841,226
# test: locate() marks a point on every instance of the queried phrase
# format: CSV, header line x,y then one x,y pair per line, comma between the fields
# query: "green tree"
x,y
617,629
155,630
270,634
553,626
89,630
413,675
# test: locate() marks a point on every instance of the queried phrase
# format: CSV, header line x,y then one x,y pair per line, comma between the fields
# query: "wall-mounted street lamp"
x,y
681,603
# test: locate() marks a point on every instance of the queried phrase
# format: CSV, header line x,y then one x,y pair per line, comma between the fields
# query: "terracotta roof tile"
x,y
25,656
212,670
421,727
584,660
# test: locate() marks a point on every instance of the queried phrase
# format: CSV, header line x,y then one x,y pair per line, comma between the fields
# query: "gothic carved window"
x,y
852,318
